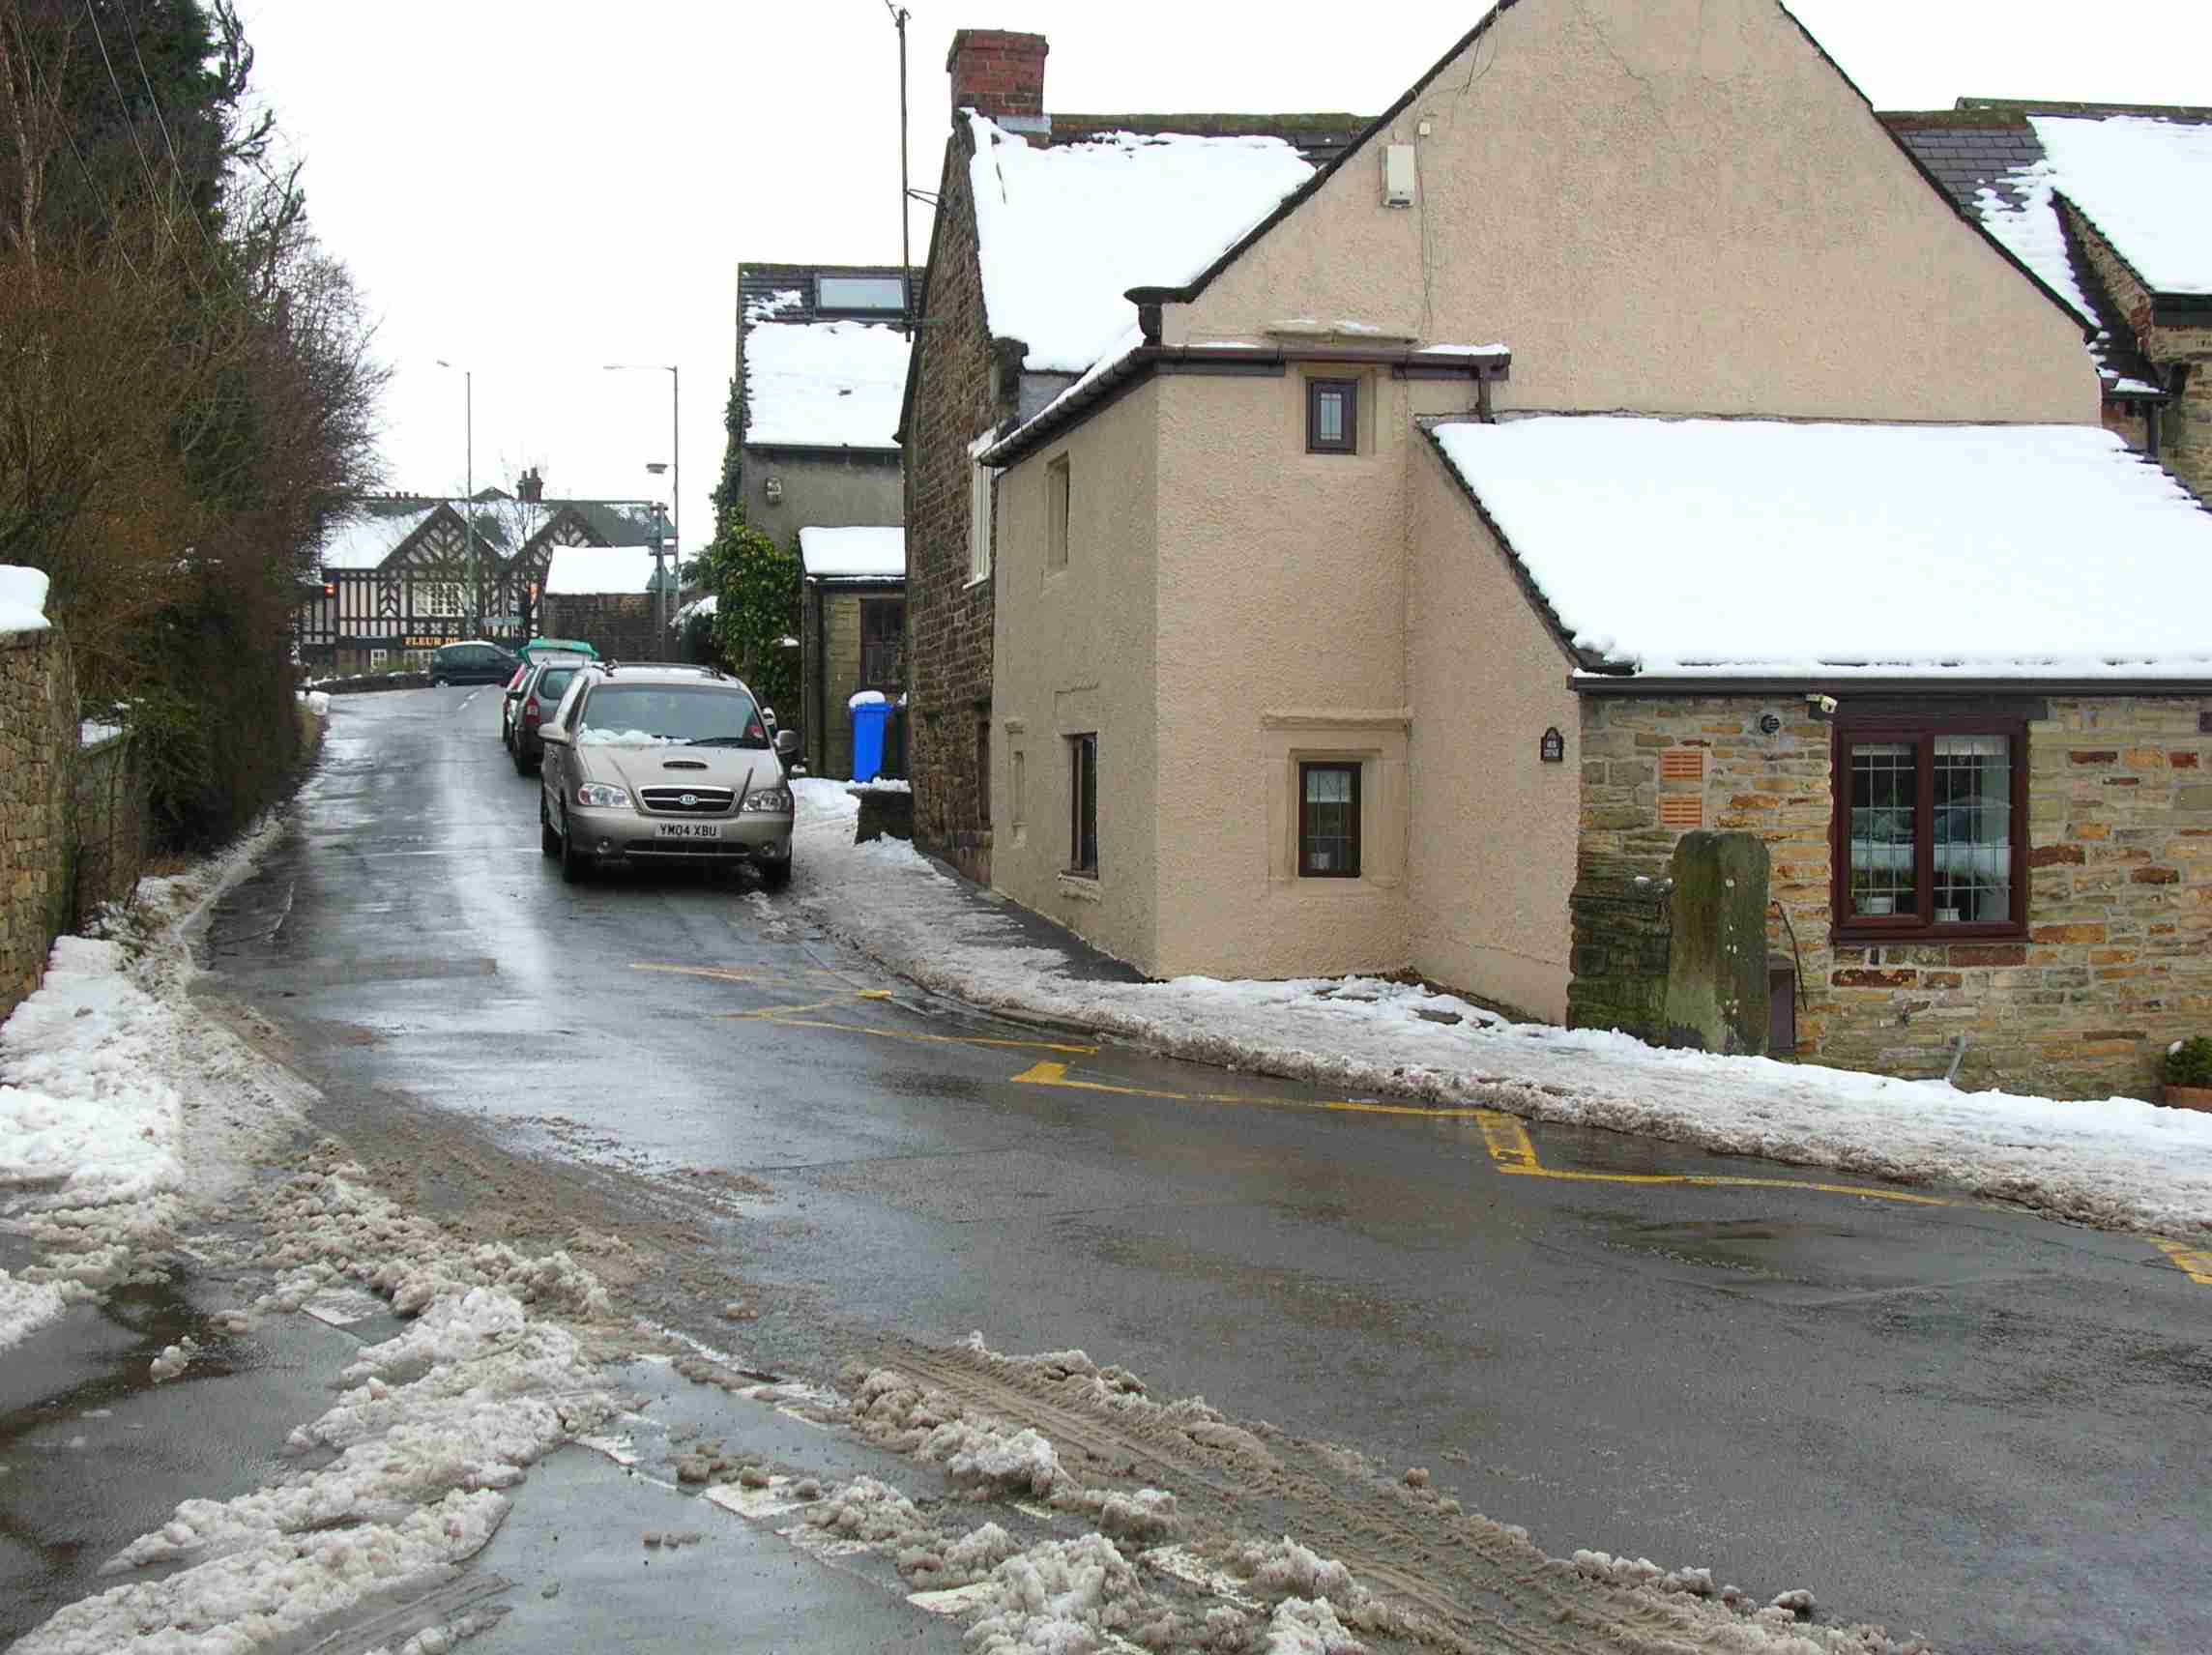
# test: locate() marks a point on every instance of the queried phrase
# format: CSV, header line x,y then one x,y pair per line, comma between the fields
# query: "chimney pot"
x,y
996,72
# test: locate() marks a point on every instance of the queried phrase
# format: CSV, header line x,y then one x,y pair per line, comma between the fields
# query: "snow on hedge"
x,y
2144,183
1718,547
830,384
1065,231
2118,1162
22,599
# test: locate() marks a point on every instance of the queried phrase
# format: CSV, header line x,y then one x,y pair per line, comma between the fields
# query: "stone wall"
x,y
38,775
2116,961
949,619
1623,938
2185,424
111,826
619,624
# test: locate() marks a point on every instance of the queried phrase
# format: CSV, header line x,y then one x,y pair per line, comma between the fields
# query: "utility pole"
x,y
905,193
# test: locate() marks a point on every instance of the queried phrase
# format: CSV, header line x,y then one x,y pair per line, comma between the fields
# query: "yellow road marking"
x,y
2195,1262
779,1014
718,973
1055,1075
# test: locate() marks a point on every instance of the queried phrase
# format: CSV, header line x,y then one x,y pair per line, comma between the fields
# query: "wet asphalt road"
x,y
1955,1420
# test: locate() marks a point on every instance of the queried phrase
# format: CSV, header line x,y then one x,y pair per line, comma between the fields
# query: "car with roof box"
x,y
663,764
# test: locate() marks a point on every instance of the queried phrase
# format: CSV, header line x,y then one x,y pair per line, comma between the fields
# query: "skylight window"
x,y
884,294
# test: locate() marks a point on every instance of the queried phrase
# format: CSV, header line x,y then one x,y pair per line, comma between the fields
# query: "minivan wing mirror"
x,y
786,743
553,735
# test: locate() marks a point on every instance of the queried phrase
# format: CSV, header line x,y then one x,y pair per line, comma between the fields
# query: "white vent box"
x,y
1398,175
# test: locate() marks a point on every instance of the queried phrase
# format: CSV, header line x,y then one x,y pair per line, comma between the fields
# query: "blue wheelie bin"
x,y
870,719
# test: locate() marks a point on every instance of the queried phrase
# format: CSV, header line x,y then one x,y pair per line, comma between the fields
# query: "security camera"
x,y
1821,705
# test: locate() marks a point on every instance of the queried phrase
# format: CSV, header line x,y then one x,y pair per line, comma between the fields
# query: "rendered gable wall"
x,y
1668,206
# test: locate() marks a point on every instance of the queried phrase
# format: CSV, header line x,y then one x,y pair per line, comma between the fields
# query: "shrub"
x,y
2187,1062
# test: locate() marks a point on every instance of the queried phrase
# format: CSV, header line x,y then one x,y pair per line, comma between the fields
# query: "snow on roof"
x,y
850,554
1064,232
2145,184
781,300
585,572
364,537
22,599
1743,547
832,385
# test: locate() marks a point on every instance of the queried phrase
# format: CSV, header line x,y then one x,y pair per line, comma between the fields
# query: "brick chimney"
x,y
996,72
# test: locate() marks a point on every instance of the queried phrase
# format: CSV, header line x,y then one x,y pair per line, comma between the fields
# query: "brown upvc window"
x,y
1329,821
1931,828
1083,805
1332,416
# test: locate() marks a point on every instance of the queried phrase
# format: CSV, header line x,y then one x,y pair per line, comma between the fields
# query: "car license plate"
x,y
690,829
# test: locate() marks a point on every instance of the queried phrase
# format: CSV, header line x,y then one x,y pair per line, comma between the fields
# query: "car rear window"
x,y
658,714
555,681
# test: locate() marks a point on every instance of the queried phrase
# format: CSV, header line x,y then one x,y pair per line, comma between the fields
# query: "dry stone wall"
x,y
38,775
2116,960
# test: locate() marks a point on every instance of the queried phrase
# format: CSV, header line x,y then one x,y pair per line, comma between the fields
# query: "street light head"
x,y
656,467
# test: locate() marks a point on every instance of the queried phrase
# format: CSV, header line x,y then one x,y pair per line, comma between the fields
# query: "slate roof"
x,y
377,526
823,378
1988,155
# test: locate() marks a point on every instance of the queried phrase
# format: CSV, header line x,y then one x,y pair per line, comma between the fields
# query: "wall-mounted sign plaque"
x,y
1552,748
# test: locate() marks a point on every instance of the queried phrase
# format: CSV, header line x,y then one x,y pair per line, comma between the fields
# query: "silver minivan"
x,y
663,765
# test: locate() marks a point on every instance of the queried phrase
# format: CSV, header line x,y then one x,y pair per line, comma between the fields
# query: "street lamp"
x,y
676,482
469,485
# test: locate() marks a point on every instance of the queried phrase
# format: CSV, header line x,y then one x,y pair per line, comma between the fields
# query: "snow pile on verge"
x,y
432,1423
2120,1164
117,1095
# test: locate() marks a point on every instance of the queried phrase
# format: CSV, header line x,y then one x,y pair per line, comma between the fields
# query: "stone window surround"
x,y
1058,484
982,491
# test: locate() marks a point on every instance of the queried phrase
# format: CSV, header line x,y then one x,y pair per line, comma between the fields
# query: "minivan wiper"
x,y
724,741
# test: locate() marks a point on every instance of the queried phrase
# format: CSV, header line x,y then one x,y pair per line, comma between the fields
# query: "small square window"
x,y
1083,805
1332,416
1329,821
1055,513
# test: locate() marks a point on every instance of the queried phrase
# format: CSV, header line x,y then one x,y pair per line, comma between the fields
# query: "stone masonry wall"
x,y
38,773
1622,939
949,619
619,624
110,827
2117,959
2185,424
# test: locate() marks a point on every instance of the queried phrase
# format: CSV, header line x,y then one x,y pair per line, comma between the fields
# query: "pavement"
x,y
1935,1412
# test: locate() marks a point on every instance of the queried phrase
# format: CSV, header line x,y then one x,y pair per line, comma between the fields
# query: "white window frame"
x,y
981,479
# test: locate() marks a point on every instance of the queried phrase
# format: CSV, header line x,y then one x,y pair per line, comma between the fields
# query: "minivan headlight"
x,y
771,799
600,795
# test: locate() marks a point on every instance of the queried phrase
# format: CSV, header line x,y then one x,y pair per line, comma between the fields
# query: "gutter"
x,y
1845,689
1406,362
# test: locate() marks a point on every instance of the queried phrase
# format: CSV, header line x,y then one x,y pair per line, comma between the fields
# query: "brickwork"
x,y
2117,959
996,72
38,775
619,624
948,618
2185,424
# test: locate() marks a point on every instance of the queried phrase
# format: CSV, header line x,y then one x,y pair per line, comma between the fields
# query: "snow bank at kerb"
x,y
2118,1162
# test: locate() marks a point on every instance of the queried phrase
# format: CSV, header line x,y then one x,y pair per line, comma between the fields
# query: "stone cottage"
x,y
1621,435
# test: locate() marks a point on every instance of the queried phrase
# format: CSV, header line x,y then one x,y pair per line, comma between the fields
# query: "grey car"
x,y
663,765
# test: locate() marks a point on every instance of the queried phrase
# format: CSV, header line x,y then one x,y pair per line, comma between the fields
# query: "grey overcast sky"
x,y
533,190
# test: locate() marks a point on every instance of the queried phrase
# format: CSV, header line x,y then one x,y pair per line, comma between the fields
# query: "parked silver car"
x,y
663,764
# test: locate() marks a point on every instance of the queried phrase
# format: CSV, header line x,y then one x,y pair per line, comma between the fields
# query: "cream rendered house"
x,y
1274,695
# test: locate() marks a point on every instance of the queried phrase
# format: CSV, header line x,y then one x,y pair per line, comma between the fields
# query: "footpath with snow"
x,y
2119,1164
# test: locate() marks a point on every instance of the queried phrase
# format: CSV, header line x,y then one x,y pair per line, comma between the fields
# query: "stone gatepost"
x,y
1716,964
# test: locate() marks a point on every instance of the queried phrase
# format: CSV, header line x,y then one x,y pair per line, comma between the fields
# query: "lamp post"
x,y
469,486
676,482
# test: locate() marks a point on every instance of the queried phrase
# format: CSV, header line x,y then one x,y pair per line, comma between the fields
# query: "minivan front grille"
x,y
687,801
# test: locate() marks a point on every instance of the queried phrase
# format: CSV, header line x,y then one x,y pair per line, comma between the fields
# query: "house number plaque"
x,y
1552,748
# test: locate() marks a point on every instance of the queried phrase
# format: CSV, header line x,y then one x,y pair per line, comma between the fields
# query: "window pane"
x,y
1329,830
1972,829
1329,416
860,293
1884,787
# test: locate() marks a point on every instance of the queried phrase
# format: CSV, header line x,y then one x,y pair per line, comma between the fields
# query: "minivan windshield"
x,y
666,714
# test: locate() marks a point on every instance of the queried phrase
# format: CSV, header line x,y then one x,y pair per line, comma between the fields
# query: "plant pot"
x,y
1878,904
2186,1097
